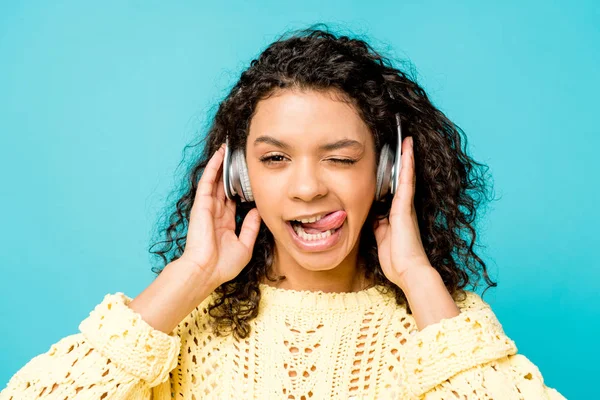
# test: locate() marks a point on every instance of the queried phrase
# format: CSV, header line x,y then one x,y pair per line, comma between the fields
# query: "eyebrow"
x,y
340,144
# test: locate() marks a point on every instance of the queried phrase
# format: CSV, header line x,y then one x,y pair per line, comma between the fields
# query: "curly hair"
x,y
450,186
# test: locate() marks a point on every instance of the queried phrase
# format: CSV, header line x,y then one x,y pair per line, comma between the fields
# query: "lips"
x,y
312,246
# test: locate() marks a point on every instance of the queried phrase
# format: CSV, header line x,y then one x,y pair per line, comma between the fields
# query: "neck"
x,y
345,277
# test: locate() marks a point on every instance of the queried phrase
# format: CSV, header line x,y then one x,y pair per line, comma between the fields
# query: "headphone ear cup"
x,y
227,173
384,172
242,183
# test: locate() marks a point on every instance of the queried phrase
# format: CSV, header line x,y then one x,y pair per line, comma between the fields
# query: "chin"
x,y
310,262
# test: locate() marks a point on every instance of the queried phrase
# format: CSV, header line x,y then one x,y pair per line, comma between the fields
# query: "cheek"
x,y
359,187
267,195
359,197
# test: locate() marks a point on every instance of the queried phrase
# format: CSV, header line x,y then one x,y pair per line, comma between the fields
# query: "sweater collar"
x,y
304,299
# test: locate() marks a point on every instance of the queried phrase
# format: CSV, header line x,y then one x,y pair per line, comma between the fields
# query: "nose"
x,y
305,182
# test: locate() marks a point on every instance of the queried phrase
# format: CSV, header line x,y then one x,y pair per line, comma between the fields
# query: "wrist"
x,y
428,296
201,276
417,278
176,291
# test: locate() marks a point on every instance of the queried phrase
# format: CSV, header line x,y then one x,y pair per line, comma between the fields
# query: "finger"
x,y
407,182
250,228
231,205
210,173
219,188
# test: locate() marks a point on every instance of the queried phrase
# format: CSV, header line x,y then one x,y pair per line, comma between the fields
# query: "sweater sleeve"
x,y
512,377
469,357
117,355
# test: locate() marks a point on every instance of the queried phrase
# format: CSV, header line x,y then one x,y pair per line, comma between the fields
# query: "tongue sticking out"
x,y
330,221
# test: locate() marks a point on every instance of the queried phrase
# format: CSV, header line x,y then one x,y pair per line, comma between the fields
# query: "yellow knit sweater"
x,y
303,346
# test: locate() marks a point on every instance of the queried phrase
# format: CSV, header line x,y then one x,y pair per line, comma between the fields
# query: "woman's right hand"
x,y
211,242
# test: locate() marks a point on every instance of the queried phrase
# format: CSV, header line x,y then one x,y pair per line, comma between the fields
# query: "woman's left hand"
x,y
399,244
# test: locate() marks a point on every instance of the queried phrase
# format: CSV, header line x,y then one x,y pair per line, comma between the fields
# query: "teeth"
x,y
310,220
309,236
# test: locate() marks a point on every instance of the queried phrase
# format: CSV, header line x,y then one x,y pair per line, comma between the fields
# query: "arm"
x,y
465,355
117,355
513,377
121,352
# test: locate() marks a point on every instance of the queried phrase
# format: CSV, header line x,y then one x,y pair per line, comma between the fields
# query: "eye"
x,y
272,159
345,161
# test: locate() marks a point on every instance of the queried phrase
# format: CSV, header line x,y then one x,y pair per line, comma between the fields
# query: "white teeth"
x,y
310,220
309,236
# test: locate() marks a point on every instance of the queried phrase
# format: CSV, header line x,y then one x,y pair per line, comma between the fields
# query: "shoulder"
x,y
470,301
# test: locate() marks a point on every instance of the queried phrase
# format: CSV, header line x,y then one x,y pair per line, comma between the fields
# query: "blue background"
x,y
98,100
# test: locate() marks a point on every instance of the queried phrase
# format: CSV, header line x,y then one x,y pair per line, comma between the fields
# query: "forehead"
x,y
308,116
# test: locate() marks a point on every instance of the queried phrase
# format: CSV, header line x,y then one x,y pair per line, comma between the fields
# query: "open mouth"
x,y
318,234
311,234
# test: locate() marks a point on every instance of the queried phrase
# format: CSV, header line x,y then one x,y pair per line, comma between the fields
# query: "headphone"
x,y
237,182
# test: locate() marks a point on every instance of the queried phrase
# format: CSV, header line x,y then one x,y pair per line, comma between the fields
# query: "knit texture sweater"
x,y
303,345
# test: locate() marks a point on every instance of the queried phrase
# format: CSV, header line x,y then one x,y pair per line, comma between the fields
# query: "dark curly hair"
x,y
450,186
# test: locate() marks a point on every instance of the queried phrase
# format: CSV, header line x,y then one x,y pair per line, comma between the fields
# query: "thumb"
x,y
250,228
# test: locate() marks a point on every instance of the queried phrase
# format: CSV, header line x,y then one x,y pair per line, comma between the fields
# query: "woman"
x,y
319,275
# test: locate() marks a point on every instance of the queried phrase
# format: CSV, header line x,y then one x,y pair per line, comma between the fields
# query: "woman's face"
x,y
309,154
